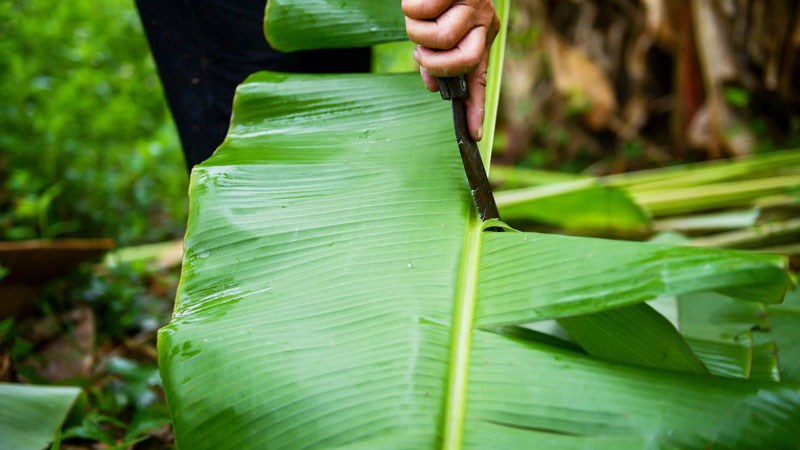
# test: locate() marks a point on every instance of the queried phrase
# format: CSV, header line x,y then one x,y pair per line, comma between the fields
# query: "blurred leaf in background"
x,y
87,146
609,87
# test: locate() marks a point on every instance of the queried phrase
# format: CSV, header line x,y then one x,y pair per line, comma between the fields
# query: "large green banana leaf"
x,y
338,291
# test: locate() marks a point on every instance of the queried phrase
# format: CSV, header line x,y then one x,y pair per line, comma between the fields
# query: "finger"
x,y
425,9
448,29
430,81
463,58
494,28
476,102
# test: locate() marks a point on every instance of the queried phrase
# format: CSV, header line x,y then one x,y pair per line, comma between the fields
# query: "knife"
x,y
455,90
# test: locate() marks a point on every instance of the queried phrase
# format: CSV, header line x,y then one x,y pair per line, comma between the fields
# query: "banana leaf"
x,y
764,165
636,335
687,189
670,201
725,359
291,25
727,220
743,339
784,332
338,290
575,205
336,284
30,416
770,233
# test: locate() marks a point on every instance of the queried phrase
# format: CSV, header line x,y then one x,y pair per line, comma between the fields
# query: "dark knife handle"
x,y
473,165
455,90
453,87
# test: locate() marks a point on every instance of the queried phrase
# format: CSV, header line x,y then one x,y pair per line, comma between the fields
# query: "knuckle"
x,y
471,61
437,69
424,9
447,38
407,7
485,8
412,8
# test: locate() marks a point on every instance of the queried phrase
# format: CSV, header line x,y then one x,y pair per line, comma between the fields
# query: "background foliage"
x,y
88,149
87,145
618,86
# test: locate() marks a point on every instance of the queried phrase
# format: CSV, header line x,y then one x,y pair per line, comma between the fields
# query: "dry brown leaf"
x,y
738,139
716,55
659,22
71,354
575,74
5,368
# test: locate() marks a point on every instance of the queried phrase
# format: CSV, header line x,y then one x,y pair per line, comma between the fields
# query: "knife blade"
x,y
455,90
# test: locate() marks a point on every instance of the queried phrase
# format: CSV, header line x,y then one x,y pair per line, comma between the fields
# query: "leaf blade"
x,y
30,416
529,386
314,24
313,258
635,335
527,277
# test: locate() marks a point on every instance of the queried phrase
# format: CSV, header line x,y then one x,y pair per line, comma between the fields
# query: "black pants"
x,y
205,48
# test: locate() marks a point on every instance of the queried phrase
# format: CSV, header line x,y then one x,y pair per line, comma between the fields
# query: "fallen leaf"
x,y
71,354
575,74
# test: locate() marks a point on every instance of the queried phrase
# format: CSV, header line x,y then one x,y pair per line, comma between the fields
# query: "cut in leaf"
x,y
741,339
784,332
635,335
528,396
725,359
527,277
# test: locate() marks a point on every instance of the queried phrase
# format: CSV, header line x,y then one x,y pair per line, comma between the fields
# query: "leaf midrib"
x,y
467,288
461,341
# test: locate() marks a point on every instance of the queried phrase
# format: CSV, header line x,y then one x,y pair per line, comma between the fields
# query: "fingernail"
x,y
480,133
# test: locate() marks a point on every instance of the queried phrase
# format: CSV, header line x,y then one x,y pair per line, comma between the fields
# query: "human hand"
x,y
453,38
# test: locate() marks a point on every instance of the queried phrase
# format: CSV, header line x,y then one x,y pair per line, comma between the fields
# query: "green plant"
x,y
129,296
121,295
85,127
338,291
124,409
627,203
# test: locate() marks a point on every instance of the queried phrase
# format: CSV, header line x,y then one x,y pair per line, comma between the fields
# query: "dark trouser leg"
x,y
204,48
